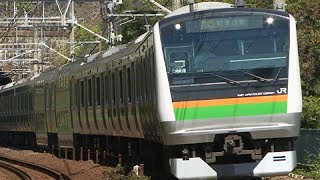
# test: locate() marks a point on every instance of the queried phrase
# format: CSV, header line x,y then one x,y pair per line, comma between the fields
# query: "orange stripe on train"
x,y
230,101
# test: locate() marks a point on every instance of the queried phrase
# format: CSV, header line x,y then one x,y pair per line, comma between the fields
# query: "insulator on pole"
x,y
191,7
279,5
239,3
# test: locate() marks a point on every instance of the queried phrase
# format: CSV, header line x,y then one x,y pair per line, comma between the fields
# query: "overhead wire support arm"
x,y
160,6
44,44
90,31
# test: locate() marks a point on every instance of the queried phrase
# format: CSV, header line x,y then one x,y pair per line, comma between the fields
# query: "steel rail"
x,y
20,173
50,172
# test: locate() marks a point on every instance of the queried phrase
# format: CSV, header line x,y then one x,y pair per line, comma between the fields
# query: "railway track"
x,y
18,172
7,162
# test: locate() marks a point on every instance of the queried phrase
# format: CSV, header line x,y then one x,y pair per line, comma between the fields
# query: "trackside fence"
x,y
307,145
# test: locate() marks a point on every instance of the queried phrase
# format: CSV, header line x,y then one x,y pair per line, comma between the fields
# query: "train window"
x,y
146,74
82,93
32,101
101,89
138,78
143,76
26,101
22,101
98,95
89,92
18,102
113,89
121,86
76,87
106,90
11,103
129,84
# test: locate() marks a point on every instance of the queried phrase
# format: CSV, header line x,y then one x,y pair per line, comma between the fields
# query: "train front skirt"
x,y
273,163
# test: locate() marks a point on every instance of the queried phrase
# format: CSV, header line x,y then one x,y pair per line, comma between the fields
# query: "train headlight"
x,y
177,26
270,20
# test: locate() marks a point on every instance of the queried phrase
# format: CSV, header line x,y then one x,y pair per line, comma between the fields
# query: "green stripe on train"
x,y
230,111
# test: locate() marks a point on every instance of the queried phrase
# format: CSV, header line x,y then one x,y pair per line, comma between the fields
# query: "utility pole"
x,y
176,4
72,38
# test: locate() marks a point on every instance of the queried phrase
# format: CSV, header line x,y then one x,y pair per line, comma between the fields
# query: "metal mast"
x,y
176,4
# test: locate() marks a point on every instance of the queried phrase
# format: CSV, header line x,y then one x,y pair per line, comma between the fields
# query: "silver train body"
x,y
218,88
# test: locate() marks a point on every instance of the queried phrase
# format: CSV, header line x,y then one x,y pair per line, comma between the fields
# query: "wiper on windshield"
x,y
277,76
230,81
262,79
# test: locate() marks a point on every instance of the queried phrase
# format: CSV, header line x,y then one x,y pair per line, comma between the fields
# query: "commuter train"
x,y
216,86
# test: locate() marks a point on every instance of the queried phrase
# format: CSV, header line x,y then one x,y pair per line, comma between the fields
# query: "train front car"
x,y
229,95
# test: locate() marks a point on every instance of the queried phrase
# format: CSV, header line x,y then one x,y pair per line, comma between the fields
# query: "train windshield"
x,y
239,46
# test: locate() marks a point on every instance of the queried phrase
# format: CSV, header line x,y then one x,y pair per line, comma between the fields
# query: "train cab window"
x,y
98,95
129,84
82,93
89,92
121,86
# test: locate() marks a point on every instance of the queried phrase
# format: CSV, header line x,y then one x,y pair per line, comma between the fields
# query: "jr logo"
x,y
282,90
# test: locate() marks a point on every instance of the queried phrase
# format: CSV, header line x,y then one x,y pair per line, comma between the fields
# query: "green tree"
x,y
307,15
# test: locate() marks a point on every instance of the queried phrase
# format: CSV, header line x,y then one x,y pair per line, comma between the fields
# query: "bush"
x,y
119,173
312,169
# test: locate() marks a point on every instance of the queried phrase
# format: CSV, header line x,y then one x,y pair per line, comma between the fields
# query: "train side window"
x,y
138,82
19,102
129,84
143,81
98,95
82,93
106,90
89,92
32,100
134,81
22,101
146,74
121,86
102,87
26,101
6,102
11,103
113,89
77,93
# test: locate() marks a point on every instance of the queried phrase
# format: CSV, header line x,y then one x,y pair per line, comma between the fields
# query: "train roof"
x,y
77,66
200,7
